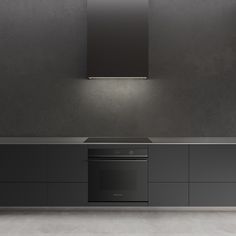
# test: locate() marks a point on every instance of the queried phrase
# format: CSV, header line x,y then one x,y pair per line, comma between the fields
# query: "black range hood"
x,y
117,39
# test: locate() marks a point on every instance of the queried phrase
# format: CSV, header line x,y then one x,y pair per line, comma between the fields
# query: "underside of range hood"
x,y
117,39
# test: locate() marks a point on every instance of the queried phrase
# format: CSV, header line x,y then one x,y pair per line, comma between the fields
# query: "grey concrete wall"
x,y
191,90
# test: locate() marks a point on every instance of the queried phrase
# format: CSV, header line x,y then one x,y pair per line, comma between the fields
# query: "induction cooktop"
x,y
117,140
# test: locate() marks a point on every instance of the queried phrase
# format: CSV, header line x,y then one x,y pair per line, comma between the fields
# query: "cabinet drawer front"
x,y
168,194
67,163
67,194
213,163
213,194
22,163
168,163
23,194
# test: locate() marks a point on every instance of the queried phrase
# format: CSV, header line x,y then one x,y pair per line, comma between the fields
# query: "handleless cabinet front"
x,y
168,175
43,175
212,175
67,194
22,163
23,194
168,163
168,194
67,163
212,163
212,194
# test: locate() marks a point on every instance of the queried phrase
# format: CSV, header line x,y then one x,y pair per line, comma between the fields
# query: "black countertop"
x,y
81,140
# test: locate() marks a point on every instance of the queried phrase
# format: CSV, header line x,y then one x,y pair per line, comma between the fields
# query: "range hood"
x,y
117,39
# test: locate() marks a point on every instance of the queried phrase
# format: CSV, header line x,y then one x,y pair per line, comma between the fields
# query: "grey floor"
x,y
122,222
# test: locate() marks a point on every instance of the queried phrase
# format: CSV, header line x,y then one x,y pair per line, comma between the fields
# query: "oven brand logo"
x,y
117,194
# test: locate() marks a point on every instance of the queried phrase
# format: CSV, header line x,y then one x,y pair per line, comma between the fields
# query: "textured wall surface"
x,y
191,91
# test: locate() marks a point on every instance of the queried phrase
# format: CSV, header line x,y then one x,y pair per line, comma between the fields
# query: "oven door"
x,y
116,180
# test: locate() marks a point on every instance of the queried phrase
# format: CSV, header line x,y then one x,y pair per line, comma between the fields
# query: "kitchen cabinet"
x,y
212,175
212,194
67,194
178,175
43,163
168,175
67,163
168,163
23,194
168,194
43,175
212,163
22,163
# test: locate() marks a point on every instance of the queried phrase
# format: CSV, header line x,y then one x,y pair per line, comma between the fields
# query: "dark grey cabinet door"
x,y
67,163
67,194
213,194
23,194
22,163
168,194
212,163
168,163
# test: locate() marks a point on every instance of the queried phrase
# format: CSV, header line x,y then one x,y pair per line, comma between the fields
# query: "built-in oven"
x,y
118,174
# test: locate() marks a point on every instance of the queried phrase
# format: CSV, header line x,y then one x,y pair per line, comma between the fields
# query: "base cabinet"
x,y
23,194
56,175
43,194
212,163
168,194
168,163
212,175
67,194
67,163
213,194
43,175
168,175
23,163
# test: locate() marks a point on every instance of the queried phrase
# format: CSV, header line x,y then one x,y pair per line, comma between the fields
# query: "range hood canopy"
x,y
117,39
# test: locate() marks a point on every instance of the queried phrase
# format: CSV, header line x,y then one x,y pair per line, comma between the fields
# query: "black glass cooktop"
x,y
118,140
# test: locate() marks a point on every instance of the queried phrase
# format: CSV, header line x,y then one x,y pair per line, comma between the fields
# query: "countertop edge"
x,y
155,141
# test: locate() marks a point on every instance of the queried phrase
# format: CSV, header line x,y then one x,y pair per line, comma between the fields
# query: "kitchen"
x,y
180,93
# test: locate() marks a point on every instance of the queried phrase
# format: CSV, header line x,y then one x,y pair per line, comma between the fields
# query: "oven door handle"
x,y
109,160
119,156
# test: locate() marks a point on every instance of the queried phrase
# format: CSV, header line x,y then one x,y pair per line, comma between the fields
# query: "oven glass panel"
x,y
117,180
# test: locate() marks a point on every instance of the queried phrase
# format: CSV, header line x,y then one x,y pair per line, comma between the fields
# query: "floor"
x,y
117,222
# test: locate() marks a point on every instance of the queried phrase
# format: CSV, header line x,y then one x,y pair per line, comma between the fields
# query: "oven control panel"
x,y
118,152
